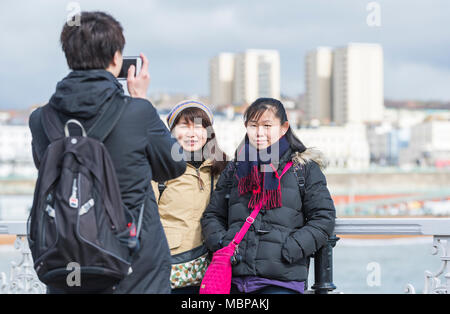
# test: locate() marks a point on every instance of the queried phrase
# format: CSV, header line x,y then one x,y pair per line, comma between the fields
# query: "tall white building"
x,y
221,75
257,74
358,83
318,74
429,142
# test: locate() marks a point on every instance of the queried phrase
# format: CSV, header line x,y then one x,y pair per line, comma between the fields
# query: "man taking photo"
x,y
139,143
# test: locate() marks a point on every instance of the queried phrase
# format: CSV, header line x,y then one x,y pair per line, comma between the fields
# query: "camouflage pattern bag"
x,y
188,271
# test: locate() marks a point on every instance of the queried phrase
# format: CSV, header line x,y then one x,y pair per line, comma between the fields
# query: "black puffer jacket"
x,y
280,240
140,146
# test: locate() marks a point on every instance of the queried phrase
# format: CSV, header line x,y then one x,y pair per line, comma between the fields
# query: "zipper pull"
x,y
73,200
200,181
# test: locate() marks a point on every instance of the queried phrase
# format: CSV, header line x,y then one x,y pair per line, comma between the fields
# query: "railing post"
x,y
323,267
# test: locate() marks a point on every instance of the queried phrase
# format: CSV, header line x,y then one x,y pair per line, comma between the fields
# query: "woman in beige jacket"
x,y
181,201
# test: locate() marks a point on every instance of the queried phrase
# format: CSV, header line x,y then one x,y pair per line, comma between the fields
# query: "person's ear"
x,y
117,58
284,127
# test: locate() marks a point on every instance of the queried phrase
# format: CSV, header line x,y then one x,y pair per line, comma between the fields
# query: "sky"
x,y
180,36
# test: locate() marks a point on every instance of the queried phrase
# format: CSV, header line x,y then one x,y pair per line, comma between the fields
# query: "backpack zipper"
x,y
73,200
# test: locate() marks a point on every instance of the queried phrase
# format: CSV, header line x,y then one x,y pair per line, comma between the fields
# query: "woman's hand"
x,y
138,85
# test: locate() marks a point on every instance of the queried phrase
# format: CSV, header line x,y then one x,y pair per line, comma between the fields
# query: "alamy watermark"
x,y
74,16
373,279
374,17
73,279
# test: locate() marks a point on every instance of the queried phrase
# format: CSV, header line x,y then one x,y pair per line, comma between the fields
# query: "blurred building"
x,y
221,75
318,75
257,74
344,84
429,145
15,151
241,78
358,83
343,146
229,132
405,116
4,116
385,142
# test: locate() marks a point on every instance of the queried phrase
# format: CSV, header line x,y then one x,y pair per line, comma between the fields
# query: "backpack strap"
x,y
299,171
103,125
161,187
108,119
229,182
212,185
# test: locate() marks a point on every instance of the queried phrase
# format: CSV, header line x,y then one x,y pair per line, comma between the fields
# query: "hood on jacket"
x,y
82,94
311,154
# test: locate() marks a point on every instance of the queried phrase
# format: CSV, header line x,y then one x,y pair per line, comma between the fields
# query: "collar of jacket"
x,y
206,163
310,154
190,169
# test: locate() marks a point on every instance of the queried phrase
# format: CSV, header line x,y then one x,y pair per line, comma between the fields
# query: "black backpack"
x,y
78,221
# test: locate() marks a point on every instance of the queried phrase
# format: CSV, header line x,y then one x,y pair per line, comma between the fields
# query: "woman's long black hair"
x,y
259,106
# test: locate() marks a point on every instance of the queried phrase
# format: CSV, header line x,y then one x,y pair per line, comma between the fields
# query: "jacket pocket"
x,y
291,252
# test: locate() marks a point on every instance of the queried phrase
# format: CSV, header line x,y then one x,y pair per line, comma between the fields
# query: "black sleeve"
x,y
35,156
320,215
214,221
39,140
163,151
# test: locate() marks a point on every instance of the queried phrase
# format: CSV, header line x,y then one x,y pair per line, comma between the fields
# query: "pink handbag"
x,y
217,279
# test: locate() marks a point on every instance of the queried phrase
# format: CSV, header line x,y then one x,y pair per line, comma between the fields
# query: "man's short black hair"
x,y
93,43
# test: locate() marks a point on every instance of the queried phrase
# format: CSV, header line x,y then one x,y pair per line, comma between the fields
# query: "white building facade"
x,y
343,146
257,74
318,75
16,157
221,75
358,93
429,144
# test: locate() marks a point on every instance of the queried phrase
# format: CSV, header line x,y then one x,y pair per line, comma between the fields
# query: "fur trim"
x,y
311,154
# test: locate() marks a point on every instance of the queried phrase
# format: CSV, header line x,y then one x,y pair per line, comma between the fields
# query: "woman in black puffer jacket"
x,y
288,229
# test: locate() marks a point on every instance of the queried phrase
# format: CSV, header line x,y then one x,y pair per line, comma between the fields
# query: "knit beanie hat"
x,y
187,104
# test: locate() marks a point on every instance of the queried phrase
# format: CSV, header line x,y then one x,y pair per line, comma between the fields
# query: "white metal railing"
x,y
439,228
23,279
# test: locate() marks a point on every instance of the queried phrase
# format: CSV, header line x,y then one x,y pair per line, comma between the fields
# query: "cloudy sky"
x,y
180,36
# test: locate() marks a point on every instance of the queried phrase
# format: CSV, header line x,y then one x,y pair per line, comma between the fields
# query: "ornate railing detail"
x,y
439,228
433,283
23,278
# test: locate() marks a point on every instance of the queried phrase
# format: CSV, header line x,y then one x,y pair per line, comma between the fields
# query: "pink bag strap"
x,y
250,219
